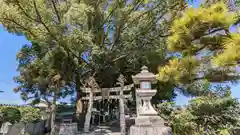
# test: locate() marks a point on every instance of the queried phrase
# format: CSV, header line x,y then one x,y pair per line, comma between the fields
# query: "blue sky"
x,y
10,44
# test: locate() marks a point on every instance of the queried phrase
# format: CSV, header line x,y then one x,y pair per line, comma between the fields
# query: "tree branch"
x,y
238,21
151,23
48,30
56,11
24,12
119,28
120,57
41,21
110,15
213,31
136,6
46,99
143,15
117,35
21,26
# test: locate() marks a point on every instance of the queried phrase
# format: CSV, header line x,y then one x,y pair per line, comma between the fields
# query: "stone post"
x,y
89,113
5,127
147,122
121,81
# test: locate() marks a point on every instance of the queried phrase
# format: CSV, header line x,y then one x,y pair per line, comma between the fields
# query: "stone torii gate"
x,y
100,94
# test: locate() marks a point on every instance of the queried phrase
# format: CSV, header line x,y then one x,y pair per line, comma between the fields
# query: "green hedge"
x,y
17,114
10,114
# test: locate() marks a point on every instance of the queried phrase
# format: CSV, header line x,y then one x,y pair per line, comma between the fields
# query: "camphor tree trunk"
x,y
89,113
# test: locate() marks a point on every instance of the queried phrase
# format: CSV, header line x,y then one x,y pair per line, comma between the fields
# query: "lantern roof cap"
x,y
144,75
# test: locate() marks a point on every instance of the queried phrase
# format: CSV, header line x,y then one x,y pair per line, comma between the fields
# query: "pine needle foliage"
x,y
206,47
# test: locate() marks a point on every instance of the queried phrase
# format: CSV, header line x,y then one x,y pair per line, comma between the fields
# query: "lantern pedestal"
x,y
148,122
150,130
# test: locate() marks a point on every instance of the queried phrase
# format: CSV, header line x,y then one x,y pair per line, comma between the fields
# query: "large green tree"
x,y
44,75
106,37
104,31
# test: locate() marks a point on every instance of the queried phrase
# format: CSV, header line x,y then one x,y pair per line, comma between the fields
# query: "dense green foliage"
x,y
17,114
212,114
42,74
10,114
29,114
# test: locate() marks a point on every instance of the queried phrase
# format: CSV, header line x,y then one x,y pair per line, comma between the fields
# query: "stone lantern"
x,y
145,93
147,121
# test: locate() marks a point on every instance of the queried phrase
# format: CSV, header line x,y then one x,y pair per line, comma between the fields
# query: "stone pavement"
x,y
103,130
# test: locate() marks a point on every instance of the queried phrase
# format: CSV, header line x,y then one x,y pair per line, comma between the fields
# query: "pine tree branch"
x,y
179,87
238,21
213,31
